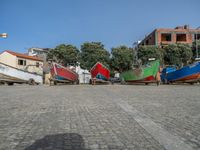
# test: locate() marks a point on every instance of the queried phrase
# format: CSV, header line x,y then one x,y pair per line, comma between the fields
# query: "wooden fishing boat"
x,y
60,73
99,73
11,75
190,73
145,74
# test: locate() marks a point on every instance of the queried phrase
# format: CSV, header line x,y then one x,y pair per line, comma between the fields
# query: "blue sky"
x,y
47,23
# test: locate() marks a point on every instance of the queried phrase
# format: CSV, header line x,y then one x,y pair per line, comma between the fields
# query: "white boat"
x,y
84,75
12,75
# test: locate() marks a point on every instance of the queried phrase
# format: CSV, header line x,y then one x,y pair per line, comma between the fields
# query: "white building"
x,y
39,52
84,75
23,62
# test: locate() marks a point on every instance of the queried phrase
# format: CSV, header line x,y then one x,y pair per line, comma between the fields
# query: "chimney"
x,y
179,27
186,26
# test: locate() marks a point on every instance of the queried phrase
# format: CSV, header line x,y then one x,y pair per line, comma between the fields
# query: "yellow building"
x,y
22,61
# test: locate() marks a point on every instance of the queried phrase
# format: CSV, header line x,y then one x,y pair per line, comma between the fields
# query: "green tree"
x,y
177,54
122,58
186,53
146,52
64,54
93,52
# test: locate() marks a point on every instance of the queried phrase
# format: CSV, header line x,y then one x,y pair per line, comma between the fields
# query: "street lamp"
x,y
4,35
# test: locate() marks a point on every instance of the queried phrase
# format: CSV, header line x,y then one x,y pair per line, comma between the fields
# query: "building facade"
x,y
39,52
21,61
164,36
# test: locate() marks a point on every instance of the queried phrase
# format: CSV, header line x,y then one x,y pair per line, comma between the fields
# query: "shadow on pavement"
x,y
66,141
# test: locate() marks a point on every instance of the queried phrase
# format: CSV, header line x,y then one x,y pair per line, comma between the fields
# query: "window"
x,y
147,42
180,37
37,64
196,36
166,37
21,62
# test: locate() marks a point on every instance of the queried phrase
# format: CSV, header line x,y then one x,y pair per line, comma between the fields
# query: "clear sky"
x,y
47,23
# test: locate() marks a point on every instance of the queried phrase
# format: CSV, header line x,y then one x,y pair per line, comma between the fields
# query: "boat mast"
x,y
135,53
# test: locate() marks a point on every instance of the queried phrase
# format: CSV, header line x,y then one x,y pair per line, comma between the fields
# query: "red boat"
x,y
63,74
100,72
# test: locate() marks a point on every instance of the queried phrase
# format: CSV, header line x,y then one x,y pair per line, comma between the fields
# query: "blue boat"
x,y
190,73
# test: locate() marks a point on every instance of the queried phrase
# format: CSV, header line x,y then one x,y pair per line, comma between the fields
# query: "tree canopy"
x,y
122,58
64,54
177,54
146,52
91,53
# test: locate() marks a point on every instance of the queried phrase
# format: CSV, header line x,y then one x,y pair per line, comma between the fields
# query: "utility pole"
x,y
197,51
197,46
133,53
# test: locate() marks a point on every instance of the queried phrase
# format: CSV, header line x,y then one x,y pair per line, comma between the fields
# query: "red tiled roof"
x,y
24,56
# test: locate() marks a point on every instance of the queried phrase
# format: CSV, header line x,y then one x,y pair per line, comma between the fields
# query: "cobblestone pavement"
x,y
84,117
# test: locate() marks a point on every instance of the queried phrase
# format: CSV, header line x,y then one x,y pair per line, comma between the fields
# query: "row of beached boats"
x,y
149,73
152,72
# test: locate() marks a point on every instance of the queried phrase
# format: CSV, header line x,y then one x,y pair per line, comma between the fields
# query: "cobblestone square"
x,y
101,117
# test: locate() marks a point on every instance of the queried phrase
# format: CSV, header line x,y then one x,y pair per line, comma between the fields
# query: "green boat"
x,y
146,74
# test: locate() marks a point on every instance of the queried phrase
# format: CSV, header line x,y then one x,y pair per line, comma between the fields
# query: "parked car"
x,y
115,80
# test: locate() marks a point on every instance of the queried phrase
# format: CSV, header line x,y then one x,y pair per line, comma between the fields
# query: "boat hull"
x,y
17,75
147,79
59,72
188,73
143,74
99,71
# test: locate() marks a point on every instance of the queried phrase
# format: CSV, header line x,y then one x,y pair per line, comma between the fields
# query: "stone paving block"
x,y
97,117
